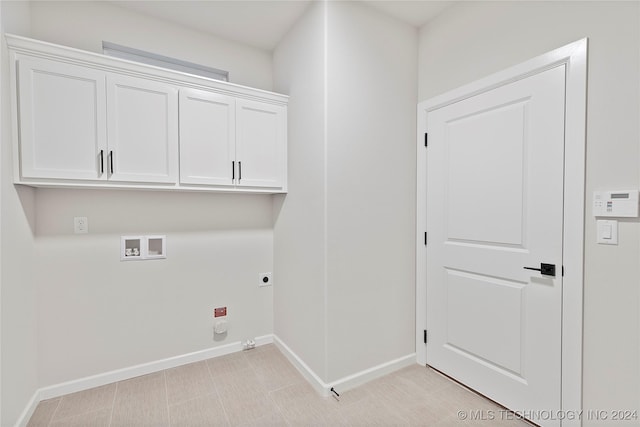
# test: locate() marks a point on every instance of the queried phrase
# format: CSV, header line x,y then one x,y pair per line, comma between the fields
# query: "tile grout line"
x,y
224,409
268,364
267,392
91,410
285,386
55,411
166,395
113,405
215,386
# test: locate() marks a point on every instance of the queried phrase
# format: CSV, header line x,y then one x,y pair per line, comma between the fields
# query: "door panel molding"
x,y
574,57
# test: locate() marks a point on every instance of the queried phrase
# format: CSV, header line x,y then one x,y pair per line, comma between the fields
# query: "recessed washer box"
x,y
156,247
131,248
139,248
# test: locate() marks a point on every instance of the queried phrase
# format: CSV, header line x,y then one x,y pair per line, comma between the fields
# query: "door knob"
x,y
545,269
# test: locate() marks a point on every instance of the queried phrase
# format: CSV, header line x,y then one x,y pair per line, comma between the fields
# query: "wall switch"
x,y
80,225
607,232
265,280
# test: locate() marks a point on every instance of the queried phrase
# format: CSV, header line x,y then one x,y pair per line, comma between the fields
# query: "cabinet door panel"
x,y
260,143
61,120
207,138
142,120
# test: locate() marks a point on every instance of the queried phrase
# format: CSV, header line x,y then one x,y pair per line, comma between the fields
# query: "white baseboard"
x,y
313,379
348,382
98,380
316,382
28,410
378,371
264,340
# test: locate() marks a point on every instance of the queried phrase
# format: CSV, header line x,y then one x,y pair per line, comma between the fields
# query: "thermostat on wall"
x,y
621,203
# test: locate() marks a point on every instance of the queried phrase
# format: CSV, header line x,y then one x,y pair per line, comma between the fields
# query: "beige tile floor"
x,y
260,388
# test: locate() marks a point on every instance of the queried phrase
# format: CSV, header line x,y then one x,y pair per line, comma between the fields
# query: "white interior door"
x,y
495,206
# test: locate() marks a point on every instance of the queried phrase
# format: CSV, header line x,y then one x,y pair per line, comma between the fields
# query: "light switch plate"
x,y
607,232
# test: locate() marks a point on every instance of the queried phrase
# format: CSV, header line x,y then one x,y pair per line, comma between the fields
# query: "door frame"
x,y
574,56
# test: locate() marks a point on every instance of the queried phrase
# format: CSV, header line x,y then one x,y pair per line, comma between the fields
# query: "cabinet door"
x,y
142,124
207,138
260,144
61,113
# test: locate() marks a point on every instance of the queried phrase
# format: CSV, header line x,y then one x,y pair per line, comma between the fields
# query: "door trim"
x,y
574,56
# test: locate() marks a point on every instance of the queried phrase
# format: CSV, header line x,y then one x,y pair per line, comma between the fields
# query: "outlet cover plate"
x,y
265,280
80,225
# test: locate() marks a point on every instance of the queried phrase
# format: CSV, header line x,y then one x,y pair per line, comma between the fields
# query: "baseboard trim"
x,y
347,382
28,410
378,371
98,380
316,382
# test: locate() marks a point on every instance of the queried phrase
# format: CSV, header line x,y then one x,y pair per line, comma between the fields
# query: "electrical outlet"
x,y
265,280
80,225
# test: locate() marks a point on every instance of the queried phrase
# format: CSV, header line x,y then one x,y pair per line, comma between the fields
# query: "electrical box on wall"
x,y
618,203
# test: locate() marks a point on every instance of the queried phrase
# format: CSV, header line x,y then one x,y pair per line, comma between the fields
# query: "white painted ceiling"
x,y
263,23
414,12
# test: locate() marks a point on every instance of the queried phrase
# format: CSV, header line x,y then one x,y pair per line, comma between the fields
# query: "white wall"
x,y
473,39
17,222
97,313
85,24
299,231
94,312
344,234
372,86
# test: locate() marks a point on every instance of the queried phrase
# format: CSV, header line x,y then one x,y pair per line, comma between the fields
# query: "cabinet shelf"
x,y
168,188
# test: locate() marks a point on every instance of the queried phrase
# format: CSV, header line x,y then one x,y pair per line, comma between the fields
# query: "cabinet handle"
x,y
233,170
239,171
111,161
101,162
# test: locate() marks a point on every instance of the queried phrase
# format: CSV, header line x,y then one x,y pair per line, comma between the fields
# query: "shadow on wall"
x,y
128,211
278,203
26,196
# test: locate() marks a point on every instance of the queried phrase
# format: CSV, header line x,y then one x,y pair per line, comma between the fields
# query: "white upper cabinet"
x,y
83,119
207,138
260,153
72,129
142,129
226,141
62,120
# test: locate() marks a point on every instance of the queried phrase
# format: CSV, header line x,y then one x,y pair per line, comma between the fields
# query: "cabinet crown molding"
x,y
37,48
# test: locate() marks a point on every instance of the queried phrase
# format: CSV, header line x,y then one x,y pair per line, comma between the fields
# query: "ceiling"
x,y
263,23
414,12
